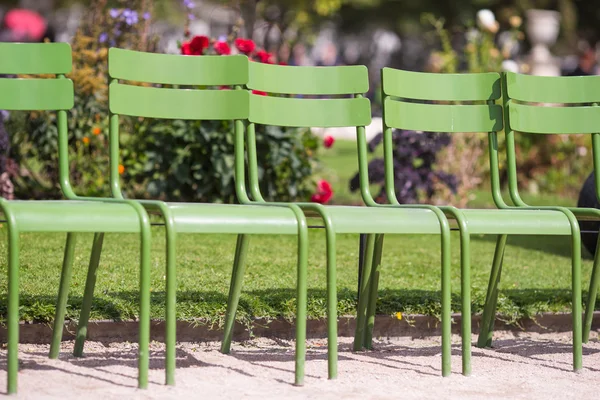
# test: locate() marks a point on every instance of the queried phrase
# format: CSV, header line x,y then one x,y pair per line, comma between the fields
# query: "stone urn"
x,y
542,30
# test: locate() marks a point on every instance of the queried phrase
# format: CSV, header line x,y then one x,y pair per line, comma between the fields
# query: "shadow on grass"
x,y
210,306
557,245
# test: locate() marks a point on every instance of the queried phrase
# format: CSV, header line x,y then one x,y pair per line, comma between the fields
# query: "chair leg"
x,y
13,311
361,259
88,294
373,292
446,305
592,295
489,311
465,291
63,295
144,326
171,309
576,308
301,304
363,295
332,302
235,289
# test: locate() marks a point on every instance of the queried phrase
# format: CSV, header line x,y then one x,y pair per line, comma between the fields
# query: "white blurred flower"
x,y
487,20
510,66
472,35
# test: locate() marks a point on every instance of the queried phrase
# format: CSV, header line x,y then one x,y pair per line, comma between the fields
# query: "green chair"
x,y
335,101
575,110
70,216
195,102
468,105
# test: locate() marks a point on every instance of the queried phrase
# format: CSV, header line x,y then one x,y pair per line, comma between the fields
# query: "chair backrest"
x,y
194,92
177,103
449,103
405,94
35,93
289,87
550,105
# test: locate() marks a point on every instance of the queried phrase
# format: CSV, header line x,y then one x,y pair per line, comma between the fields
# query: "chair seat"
x,y
423,221
517,222
73,216
348,219
231,218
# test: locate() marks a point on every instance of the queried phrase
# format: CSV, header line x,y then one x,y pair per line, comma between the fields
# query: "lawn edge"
x,y
385,326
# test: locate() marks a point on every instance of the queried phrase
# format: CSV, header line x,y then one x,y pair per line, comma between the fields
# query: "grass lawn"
x,y
536,277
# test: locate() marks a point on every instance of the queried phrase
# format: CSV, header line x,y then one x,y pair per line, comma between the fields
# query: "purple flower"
x,y
114,13
189,4
147,16
130,16
191,17
103,37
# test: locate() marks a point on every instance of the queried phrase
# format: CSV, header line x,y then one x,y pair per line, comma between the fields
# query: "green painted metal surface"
x,y
441,87
178,103
308,80
279,111
237,219
550,120
74,216
177,70
35,58
517,222
552,89
36,94
383,220
442,118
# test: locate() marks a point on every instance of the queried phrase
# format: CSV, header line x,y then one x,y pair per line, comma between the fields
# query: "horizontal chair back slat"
x,y
308,80
441,87
177,70
178,103
35,58
36,94
295,112
553,120
442,118
544,89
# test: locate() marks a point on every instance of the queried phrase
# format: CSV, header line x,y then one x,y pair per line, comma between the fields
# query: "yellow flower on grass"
x,y
96,131
398,315
121,168
86,140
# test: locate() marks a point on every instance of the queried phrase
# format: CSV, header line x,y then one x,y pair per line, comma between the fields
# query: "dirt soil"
x,y
521,366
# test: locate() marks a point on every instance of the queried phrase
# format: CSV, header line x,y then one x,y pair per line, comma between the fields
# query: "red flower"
x,y
265,57
245,46
324,192
259,92
282,63
196,46
222,48
186,49
328,141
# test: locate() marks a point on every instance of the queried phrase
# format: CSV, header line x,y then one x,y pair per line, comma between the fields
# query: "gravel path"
x,y
527,366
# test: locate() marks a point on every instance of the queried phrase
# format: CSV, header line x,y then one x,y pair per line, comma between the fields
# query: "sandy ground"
x,y
531,366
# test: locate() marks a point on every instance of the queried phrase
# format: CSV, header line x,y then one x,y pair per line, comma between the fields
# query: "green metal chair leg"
x,y
486,330
592,295
576,308
171,307
373,292
88,294
363,296
465,291
302,296
144,326
446,305
235,290
13,307
63,295
332,301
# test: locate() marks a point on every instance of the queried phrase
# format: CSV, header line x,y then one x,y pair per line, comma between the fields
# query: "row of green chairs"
x,y
405,107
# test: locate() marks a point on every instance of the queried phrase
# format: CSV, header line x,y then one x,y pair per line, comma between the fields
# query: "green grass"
x,y
536,277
